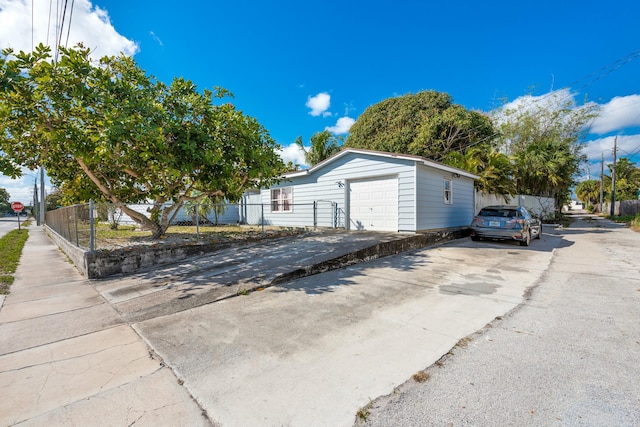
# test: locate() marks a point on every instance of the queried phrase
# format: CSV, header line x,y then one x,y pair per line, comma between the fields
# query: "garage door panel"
x,y
373,204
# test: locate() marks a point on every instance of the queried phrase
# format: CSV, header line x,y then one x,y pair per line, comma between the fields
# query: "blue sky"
x,y
302,67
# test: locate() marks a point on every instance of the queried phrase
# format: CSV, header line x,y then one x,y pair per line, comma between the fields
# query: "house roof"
x,y
383,154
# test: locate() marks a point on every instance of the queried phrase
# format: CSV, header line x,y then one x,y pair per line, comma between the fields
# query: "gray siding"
x,y
421,203
328,185
433,212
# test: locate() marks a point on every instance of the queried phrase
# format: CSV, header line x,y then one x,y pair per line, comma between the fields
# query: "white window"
x,y
448,191
282,199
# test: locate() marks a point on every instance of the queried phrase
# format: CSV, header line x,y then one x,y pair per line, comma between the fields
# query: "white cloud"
x,y
89,25
603,147
156,38
342,126
619,113
21,189
319,104
292,153
529,103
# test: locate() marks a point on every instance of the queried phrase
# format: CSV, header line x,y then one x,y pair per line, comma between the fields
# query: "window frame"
x,y
448,191
281,199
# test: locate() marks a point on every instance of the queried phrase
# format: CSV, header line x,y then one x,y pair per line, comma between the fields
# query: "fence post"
x,y
315,215
92,230
334,208
75,223
262,217
197,222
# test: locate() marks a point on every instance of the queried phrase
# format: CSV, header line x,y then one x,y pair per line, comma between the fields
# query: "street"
x,y
9,223
569,356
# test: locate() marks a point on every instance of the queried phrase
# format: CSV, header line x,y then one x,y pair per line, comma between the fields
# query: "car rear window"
x,y
498,212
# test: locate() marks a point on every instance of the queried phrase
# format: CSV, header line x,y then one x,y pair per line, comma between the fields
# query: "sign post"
x,y
17,208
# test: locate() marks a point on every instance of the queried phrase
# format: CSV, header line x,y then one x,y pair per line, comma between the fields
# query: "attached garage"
x,y
373,204
364,190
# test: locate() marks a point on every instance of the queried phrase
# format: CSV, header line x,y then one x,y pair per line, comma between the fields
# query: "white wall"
x,y
543,207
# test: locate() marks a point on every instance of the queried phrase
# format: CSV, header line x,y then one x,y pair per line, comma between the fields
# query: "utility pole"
x,y
613,178
36,208
43,208
602,182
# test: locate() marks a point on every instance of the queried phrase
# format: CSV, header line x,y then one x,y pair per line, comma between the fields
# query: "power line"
x,y
66,44
591,78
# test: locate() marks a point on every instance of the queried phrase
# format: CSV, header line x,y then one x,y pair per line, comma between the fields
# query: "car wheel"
x,y
526,240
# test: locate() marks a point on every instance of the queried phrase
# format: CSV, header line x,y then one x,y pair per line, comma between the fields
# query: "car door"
x,y
533,224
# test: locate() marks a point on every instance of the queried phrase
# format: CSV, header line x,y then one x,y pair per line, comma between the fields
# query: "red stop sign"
x,y
17,206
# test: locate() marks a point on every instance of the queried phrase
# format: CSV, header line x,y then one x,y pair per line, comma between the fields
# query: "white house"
x,y
367,190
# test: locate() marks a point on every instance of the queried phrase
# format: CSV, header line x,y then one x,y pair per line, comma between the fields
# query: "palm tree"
x,y
204,204
493,168
627,179
588,191
323,145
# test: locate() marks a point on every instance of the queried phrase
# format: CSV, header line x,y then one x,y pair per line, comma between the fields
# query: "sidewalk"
x,y
67,358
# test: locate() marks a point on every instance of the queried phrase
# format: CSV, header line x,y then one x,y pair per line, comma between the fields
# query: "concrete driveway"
x,y
314,350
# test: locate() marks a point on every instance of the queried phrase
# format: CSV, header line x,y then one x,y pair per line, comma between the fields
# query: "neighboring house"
x,y
229,216
367,190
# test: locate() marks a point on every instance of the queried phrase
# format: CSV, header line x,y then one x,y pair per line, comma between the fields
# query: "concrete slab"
x,y
153,400
226,273
313,351
27,333
83,297
57,374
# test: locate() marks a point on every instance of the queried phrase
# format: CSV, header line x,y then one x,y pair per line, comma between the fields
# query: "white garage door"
x,y
373,204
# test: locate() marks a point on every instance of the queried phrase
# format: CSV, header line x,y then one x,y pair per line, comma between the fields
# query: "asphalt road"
x,y
7,224
568,356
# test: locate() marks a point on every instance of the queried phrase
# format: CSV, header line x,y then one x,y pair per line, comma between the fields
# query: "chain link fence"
x,y
94,226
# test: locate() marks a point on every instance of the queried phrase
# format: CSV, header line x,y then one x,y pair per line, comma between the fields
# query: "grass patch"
x,y
421,376
464,342
633,221
128,235
364,412
11,245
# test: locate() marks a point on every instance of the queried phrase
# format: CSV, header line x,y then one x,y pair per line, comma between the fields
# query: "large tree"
x,y
627,179
109,131
426,124
543,139
323,145
4,200
589,191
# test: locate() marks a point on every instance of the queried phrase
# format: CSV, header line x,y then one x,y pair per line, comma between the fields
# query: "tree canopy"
x,y
110,131
426,124
543,140
588,191
4,200
627,180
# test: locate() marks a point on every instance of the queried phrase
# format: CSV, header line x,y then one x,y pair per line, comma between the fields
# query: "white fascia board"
x,y
416,159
